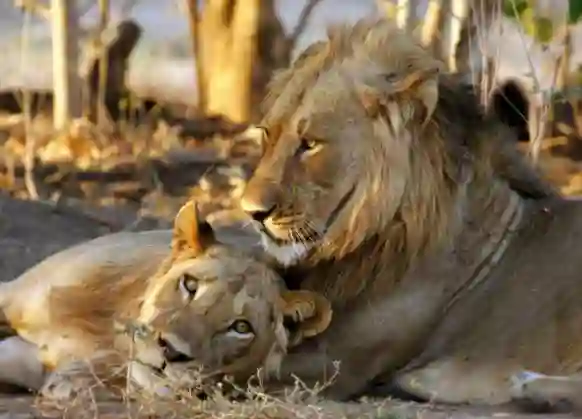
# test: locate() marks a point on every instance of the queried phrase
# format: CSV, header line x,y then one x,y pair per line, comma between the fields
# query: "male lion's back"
x,y
529,310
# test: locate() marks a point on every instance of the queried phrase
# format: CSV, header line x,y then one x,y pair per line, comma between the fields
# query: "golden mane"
x,y
459,144
436,242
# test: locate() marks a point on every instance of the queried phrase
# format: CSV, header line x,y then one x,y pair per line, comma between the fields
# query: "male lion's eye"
x,y
189,284
307,145
242,327
264,129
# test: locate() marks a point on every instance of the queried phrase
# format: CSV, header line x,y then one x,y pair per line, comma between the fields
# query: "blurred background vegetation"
x,y
126,107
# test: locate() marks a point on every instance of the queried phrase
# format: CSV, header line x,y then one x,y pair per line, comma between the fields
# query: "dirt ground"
x,y
26,407
91,183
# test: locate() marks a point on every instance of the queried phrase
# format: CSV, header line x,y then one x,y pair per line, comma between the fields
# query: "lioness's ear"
x,y
190,231
306,314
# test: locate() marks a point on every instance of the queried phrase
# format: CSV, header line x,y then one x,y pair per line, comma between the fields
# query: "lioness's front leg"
x,y
20,363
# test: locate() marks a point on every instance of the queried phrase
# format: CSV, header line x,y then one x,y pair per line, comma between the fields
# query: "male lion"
x,y
383,185
220,306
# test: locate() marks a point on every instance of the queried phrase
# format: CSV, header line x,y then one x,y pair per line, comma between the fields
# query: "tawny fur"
x,y
66,311
80,291
435,240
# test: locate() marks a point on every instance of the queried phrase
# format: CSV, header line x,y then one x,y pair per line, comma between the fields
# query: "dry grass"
x,y
149,167
223,400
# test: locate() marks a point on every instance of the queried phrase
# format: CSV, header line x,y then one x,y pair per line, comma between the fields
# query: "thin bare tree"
x,y
236,42
66,80
103,22
432,19
225,36
459,11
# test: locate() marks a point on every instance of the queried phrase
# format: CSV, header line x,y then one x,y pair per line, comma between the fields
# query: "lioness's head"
x,y
217,311
350,145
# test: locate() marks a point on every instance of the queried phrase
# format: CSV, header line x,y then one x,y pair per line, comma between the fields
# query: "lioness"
x,y
451,266
220,306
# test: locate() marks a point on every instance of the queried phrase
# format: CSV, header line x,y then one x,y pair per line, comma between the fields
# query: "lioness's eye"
x,y
242,327
189,284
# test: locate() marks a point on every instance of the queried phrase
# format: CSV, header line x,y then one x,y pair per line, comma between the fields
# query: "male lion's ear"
x,y
420,85
306,314
413,88
190,231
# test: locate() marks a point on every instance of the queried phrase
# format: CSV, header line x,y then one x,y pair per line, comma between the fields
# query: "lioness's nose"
x,y
171,354
258,202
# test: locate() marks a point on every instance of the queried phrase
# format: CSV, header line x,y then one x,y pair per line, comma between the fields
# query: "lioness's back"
x,y
109,256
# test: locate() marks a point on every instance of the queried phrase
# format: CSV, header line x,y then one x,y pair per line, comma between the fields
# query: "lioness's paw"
x,y
60,388
75,381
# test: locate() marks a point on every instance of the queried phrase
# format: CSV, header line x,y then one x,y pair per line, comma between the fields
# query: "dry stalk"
x,y
30,140
102,85
431,23
538,113
193,12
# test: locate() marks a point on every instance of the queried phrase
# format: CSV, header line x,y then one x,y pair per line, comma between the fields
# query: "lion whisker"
x,y
315,231
303,239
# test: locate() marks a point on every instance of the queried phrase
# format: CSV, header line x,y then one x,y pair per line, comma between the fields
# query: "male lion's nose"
x,y
171,354
259,214
258,202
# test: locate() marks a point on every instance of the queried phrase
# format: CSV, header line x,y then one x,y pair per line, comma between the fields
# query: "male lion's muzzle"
x,y
259,200
283,222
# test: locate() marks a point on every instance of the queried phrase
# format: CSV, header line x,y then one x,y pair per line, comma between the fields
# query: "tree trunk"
x,y
387,8
106,78
458,15
237,45
480,15
66,80
443,35
103,22
227,48
432,21
406,14
194,21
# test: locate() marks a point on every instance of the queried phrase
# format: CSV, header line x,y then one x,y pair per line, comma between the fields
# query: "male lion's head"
x,y
217,311
351,146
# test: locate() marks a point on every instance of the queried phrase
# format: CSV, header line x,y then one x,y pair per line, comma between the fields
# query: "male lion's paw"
x,y
536,392
521,380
